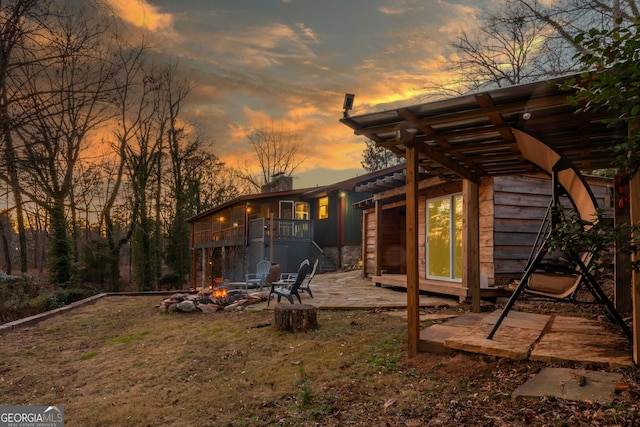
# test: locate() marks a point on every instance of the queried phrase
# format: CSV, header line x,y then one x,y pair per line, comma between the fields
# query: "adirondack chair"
x,y
286,288
257,279
305,287
290,278
543,276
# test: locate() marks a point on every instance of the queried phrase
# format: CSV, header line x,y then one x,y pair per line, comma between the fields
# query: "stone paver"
x,y
350,290
571,384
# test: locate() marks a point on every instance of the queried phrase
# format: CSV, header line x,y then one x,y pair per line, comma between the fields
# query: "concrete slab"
x,y
571,384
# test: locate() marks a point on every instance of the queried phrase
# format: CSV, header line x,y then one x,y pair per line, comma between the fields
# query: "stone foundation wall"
x,y
351,256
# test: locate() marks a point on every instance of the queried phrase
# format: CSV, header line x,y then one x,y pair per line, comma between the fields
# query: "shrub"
x,y
171,281
15,294
21,296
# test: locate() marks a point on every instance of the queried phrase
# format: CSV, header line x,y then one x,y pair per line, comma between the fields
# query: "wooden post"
x,y
194,259
471,242
634,192
378,238
363,243
634,216
271,231
206,256
622,261
413,281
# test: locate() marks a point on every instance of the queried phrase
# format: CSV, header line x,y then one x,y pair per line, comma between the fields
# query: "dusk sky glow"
x,y
290,62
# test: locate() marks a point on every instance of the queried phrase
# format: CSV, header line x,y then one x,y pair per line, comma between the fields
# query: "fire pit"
x,y
211,299
223,296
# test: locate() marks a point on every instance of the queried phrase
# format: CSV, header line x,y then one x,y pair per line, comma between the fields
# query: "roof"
x,y
247,198
471,136
346,185
356,182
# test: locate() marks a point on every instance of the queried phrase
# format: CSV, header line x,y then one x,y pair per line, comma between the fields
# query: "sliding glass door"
x,y
444,238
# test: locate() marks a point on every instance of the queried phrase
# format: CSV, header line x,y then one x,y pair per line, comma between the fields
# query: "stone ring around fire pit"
x,y
210,300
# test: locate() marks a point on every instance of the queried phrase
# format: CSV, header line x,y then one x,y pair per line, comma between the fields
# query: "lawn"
x,y
121,362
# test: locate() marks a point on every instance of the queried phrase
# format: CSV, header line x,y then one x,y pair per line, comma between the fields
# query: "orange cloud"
x,y
142,14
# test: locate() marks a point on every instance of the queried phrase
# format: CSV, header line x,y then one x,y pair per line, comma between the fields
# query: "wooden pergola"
x,y
472,136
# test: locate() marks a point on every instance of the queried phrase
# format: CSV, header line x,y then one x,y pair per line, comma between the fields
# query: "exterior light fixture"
x,y
348,103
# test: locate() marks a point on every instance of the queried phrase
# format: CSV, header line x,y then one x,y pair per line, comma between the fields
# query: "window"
x,y
286,209
444,238
323,208
302,210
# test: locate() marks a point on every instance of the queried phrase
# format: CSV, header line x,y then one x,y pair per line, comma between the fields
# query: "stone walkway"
x,y
349,290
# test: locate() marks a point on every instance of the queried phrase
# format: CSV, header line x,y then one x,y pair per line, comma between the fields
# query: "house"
x,y
280,224
511,210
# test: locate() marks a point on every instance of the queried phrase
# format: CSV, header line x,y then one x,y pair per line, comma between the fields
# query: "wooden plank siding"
x,y
519,206
486,227
369,243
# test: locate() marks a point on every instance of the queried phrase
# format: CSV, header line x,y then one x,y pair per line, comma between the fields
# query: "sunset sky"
x,y
290,62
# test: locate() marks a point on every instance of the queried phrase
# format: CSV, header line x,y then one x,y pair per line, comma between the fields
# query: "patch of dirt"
x,y
477,390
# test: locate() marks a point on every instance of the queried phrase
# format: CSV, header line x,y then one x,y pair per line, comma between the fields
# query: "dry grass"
x,y
122,363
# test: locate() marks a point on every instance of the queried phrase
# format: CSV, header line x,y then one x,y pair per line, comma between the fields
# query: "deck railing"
x,y
283,229
258,230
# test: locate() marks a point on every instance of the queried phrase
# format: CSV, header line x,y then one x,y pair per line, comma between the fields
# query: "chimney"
x,y
279,182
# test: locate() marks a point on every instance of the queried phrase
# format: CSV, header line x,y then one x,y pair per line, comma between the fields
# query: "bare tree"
x,y
130,99
526,40
67,95
186,156
143,158
19,21
277,151
218,183
508,48
568,18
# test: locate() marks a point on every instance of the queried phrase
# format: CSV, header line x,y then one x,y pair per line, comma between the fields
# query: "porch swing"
x,y
544,275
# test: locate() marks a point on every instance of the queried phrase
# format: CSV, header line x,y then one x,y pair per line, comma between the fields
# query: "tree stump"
x,y
295,317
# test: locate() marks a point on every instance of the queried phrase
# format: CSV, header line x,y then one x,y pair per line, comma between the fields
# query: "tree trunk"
x,y
60,248
14,181
5,246
295,317
158,225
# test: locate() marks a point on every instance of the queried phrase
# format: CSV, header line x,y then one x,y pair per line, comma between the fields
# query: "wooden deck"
x,y
441,287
